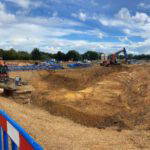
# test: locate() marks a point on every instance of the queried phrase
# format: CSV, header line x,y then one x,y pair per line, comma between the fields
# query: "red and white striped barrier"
x,y
20,139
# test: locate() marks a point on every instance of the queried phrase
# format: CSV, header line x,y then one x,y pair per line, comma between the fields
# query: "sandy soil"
x,y
92,108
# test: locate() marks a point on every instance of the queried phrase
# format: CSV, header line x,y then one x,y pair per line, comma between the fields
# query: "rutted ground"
x,y
108,99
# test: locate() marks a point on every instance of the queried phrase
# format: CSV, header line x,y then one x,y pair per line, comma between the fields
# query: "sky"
x,y
61,25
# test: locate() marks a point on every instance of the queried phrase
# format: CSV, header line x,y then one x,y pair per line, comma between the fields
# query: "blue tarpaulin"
x,y
76,65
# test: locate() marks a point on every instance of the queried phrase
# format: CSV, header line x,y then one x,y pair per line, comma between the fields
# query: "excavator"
x,y
112,59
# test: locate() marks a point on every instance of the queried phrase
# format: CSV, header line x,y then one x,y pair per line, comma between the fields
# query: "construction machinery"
x,y
14,87
112,59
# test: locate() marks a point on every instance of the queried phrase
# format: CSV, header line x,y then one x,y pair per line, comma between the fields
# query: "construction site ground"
x,y
88,108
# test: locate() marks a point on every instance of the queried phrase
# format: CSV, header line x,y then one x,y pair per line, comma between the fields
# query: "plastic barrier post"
x,y
5,140
1,144
14,146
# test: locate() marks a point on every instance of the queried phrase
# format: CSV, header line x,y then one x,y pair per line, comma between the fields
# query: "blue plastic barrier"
x,y
35,67
76,65
10,131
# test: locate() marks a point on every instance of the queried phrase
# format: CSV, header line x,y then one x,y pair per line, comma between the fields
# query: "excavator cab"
x,y
104,60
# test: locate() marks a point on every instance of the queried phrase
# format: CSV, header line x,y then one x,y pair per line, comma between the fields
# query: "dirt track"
x,y
108,99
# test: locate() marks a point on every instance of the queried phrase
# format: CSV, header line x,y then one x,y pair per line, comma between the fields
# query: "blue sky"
x,y
62,25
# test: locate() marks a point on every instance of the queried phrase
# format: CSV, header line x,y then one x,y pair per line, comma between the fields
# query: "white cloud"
x,y
124,19
127,31
96,32
132,25
141,17
81,15
28,4
112,22
4,16
126,40
144,5
82,45
27,36
123,39
137,23
25,33
100,35
94,3
55,14
30,32
124,14
2,7
21,3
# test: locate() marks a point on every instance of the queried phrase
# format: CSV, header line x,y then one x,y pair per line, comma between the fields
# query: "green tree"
x,y
142,56
10,54
36,54
1,53
90,55
45,56
22,55
60,56
73,55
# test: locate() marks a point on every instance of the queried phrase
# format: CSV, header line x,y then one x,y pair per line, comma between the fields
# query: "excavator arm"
x,y
125,53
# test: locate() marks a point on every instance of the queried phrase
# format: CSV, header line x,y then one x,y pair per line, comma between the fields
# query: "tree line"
x,y
73,55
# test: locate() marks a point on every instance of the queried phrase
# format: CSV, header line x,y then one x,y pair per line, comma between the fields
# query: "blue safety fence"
x,y
77,65
34,67
14,137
